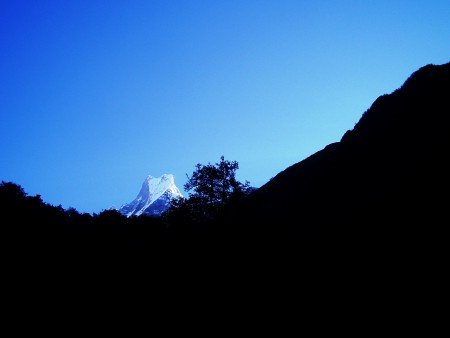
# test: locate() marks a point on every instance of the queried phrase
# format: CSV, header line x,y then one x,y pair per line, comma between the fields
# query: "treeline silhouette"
x,y
30,223
387,179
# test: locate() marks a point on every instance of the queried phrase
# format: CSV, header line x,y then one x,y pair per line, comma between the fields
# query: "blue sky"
x,y
96,95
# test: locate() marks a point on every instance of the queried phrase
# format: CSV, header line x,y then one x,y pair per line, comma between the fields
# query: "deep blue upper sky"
x,y
96,95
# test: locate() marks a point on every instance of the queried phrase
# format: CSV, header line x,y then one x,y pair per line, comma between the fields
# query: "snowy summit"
x,y
154,197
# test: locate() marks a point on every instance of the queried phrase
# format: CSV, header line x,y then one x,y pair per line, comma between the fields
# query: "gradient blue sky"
x,y
96,95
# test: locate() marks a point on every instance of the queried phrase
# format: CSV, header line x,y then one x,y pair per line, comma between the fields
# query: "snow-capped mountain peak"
x,y
154,197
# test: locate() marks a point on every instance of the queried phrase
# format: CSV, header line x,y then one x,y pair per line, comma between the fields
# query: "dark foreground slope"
x,y
388,178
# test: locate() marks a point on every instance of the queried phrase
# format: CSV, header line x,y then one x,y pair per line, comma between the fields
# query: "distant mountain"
x,y
388,178
154,197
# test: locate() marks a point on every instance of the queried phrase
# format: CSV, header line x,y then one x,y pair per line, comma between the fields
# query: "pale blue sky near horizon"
x,y
96,95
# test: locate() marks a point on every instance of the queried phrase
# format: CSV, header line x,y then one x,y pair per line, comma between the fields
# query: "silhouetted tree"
x,y
216,183
211,188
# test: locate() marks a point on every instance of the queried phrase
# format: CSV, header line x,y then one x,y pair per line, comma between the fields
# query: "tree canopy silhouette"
x,y
211,187
216,183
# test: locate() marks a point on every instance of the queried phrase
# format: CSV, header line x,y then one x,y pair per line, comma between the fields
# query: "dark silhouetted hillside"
x,y
388,178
